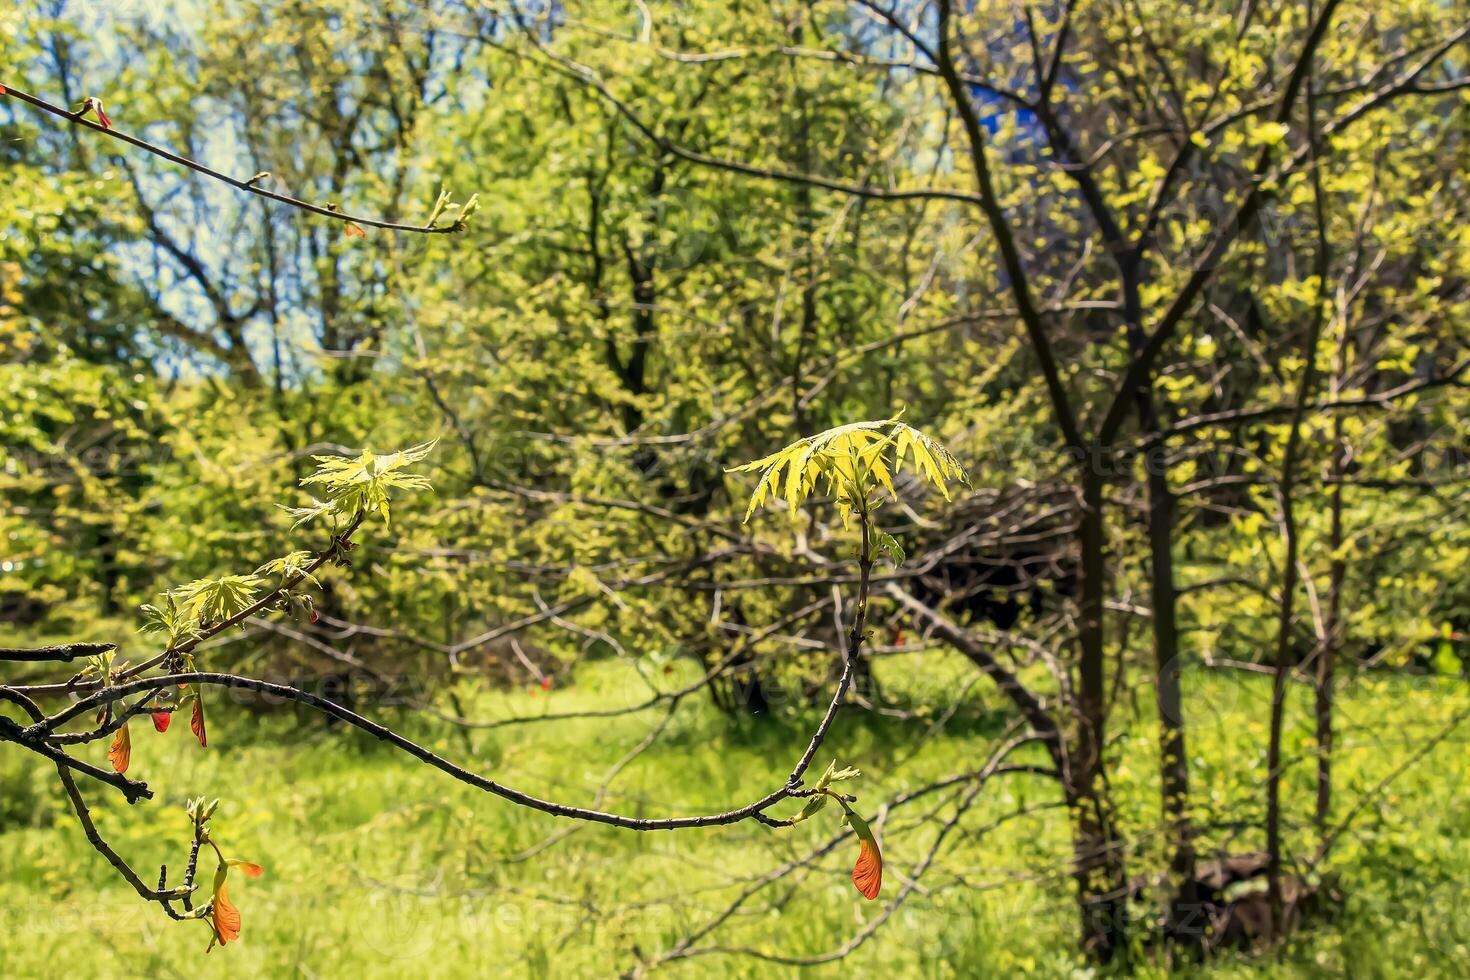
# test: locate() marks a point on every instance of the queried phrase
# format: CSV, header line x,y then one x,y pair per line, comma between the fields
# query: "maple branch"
x,y
54,654
249,186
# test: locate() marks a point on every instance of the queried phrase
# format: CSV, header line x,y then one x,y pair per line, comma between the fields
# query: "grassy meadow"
x,y
378,866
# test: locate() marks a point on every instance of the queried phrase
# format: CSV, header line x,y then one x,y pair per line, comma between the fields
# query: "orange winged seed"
x,y
226,917
867,874
196,723
120,753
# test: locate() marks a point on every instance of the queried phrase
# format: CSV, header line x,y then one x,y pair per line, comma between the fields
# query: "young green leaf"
x,y
852,461
360,485
888,545
290,568
214,600
813,806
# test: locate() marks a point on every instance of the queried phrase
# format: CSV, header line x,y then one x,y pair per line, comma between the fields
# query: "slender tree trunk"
x,y
1289,530
1336,574
1173,758
1279,680
1332,630
1097,851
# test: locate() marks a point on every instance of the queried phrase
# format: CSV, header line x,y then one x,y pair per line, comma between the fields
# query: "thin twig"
x,y
249,186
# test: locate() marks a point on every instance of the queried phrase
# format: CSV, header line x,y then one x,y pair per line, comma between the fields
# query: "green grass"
x,y
378,866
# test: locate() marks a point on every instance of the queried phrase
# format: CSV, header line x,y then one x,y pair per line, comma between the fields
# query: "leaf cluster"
x,y
358,486
852,461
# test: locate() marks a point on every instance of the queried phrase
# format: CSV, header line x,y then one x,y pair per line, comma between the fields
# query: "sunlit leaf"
x,y
360,484
851,460
214,600
290,568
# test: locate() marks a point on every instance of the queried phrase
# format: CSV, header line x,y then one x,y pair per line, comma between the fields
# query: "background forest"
x,y
1175,684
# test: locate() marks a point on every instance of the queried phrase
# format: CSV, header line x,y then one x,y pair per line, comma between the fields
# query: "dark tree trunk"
x,y
1173,759
1096,850
1332,630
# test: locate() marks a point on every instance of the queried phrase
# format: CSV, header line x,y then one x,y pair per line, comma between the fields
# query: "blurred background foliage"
x,y
615,327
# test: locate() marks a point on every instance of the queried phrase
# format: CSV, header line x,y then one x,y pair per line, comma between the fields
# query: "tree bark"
x,y
1096,849
1168,696
1332,629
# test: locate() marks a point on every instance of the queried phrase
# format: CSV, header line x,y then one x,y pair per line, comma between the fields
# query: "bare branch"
x,y
249,186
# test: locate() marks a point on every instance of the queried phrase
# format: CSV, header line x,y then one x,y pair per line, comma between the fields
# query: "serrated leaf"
x,y
291,567
360,484
851,459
